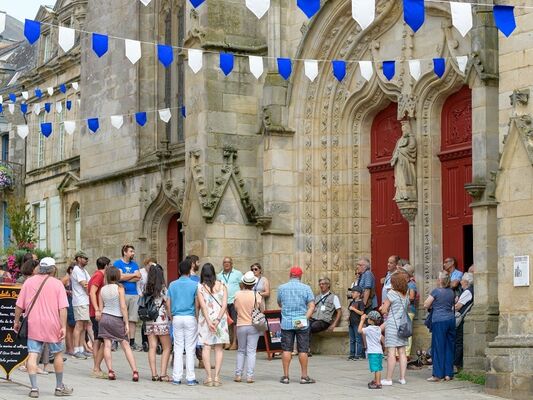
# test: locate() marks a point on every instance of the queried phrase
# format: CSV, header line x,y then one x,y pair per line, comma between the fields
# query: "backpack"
x,y
148,310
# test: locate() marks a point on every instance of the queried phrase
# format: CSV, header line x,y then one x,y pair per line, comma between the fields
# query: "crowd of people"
x,y
203,311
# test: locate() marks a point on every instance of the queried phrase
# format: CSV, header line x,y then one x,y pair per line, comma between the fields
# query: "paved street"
x,y
336,378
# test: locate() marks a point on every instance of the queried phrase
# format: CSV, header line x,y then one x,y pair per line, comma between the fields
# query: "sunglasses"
x,y
255,269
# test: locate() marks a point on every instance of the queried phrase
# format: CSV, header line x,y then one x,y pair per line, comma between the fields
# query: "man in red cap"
x,y
297,305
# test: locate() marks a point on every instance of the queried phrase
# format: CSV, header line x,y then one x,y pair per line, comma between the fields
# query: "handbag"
x,y
429,319
259,321
405,328
23,330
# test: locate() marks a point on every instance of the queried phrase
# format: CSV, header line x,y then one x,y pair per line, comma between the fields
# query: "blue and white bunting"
x,y
364,12
23,131
37,108
50,91
47,107
93,124
59,107
284,67
23,108
25,95
389,69
366,70
413,13
117,121
11,108
66,38
183,112
46,129
195,59
439,66
100,44
256,66
1,108
2,22
504,19
461,17
70,126
339,69
32,30
63,88
141,118
13,97
132,50
462,61
146,2
165,115
258,7
38,93
196,3
75,85
414,69
226,63
311,69
165,54
68,104
309,7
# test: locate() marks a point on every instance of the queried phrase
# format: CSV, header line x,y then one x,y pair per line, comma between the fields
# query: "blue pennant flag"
x,y
284,67
1,108
13,97
32,30
47,107
309,7
38,93
46,129
183,112
140,117
100,44
93,124
504,19
24,108
165,54
439,66
389,69
226,63
196,3
339,69
69,105
413,13
63,88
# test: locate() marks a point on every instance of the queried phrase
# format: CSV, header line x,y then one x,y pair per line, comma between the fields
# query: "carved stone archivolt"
x,y
211,195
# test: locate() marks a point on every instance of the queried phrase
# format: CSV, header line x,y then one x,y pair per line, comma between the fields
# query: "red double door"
x,y
174,248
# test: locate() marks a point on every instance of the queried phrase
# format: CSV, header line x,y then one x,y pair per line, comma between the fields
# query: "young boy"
x,y
356,309
373,337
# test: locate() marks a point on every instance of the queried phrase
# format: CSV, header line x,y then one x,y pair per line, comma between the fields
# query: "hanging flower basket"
x,y
6,177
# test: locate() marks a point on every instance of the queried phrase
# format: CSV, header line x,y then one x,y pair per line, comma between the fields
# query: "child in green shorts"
x,y
374,338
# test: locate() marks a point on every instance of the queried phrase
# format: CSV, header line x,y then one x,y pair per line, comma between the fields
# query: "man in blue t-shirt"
x,y
129,275
182,305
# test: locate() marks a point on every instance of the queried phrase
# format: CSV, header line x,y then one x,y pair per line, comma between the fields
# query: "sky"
x,y
22,9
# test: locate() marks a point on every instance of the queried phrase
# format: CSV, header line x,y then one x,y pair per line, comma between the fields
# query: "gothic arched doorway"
x,y
389,230
456,169
174,247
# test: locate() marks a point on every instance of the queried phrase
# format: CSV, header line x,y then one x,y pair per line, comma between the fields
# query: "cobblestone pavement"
x,y
336,379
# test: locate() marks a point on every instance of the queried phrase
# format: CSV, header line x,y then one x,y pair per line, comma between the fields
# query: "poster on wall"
x,y
521,271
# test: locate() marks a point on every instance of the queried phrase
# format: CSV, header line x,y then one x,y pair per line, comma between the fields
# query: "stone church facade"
x,y
299,172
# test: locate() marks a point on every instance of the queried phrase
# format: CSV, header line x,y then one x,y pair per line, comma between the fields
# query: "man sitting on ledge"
x,y
327,312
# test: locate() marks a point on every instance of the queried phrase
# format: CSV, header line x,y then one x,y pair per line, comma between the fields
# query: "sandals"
x,y
374,385
448,378
433,379
304,380
237,378
111,375
164,378
217,382
34,393
284,380
208,382
156,378
135,377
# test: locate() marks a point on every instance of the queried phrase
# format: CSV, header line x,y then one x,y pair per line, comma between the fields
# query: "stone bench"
x,y
331,343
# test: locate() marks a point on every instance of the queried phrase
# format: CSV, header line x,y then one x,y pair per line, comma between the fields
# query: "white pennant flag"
x,y
195,60
461,16
1,99
364,12
258,7
70,126
75,85
133,50
22,131
37,108
366,69
117,121
146,2
165,115
461,63
59,107
2,21
50,91
414,69
311,69
66,38
25,95
11,107
256,66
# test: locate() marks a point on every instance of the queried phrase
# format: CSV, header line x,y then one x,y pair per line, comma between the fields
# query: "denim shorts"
x,y
375,362
35,346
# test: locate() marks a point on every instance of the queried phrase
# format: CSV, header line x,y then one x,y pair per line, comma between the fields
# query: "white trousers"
x,y
185,330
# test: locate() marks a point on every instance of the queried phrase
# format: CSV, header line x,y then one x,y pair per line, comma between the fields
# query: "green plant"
x,y
22,224
477,378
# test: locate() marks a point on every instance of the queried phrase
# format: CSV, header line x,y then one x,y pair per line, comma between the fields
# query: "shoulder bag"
x,y
23,330
259,321
405,327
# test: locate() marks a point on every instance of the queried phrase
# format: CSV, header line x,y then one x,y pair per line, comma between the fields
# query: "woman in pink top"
x,y
247,334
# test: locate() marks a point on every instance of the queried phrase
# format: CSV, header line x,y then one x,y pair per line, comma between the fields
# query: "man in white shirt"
x,y
79,280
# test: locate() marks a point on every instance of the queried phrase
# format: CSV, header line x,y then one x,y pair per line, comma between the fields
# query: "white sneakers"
x,y
385,382
402,381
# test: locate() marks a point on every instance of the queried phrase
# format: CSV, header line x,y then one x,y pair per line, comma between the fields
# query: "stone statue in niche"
x,y
404,162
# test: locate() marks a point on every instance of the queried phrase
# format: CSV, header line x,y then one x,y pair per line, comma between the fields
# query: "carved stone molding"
x,y
408,209
519,97
407,106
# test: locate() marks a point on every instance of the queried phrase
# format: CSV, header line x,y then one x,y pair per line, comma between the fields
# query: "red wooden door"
x,y
389,230
456,170
173,248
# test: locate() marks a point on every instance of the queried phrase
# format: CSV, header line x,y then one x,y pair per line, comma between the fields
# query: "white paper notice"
x,y
521,270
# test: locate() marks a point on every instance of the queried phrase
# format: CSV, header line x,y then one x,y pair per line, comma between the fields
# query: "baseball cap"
x,y
296,271
356,289
46,265
81,254
374,315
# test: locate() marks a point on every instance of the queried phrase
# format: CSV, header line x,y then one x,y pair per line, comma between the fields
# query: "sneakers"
x,y
79,355
136,347
194,382
351,358
88,354
385,382
63,391
402,381
176,382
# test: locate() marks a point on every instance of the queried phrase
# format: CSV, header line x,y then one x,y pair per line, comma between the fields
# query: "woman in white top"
x,y
112,315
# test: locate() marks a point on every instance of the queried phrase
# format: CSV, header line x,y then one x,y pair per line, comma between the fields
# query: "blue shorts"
x,y
36,347
374,362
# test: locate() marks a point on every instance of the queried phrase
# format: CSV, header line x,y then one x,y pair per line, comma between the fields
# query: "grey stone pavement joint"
x,y
336,378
